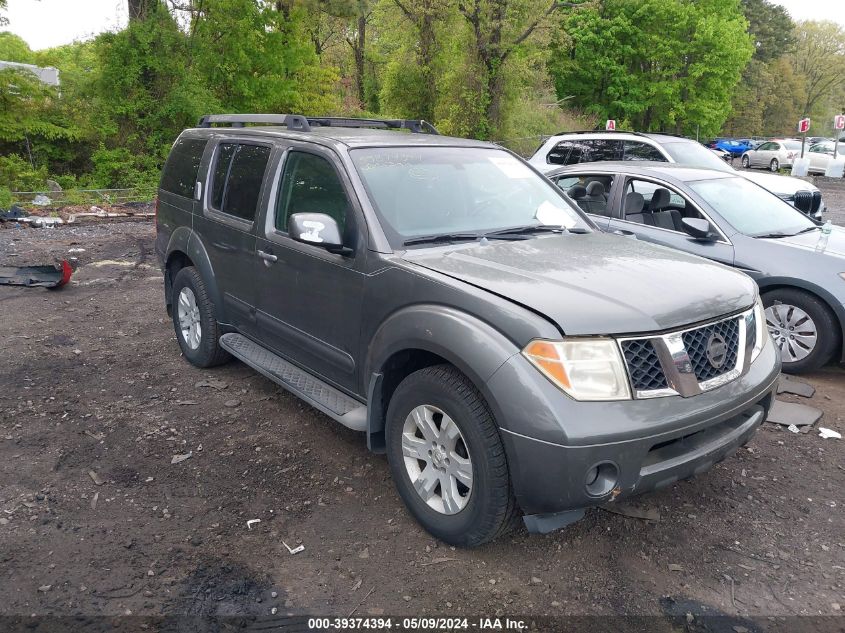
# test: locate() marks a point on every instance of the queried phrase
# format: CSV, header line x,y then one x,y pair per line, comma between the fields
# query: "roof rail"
x,y
292,121
300,123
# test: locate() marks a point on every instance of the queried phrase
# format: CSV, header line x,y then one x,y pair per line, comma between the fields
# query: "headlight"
x,y
586,369
761,332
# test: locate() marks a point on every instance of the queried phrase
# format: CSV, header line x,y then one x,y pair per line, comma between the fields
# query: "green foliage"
x,y
14,49
6,198
771,29
18,175
667,65
121,168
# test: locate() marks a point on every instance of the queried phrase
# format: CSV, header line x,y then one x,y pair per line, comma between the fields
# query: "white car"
x,y
820,156
772,155
570,148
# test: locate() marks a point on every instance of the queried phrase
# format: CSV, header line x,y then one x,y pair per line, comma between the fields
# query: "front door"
x,y
309,300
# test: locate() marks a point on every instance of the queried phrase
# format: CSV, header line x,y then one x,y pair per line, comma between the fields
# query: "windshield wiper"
x,y
782,234
528,229
440,237
808,229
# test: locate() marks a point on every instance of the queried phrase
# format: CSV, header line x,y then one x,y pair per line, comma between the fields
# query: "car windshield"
x,y
693,154
422,191
750,209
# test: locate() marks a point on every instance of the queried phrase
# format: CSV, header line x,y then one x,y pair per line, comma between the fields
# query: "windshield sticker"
x,y
547,213
511,167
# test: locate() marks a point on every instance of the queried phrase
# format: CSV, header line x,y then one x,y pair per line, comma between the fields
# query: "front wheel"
x,y
745,162
447,459
802,327
774,165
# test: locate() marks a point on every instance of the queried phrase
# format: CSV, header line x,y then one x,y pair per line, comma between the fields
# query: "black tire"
x,y
208,353
827,327
774,165
745,162
491,510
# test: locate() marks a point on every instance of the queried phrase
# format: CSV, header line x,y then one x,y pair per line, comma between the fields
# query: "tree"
x,y
820,59
14,49
771,27
659,65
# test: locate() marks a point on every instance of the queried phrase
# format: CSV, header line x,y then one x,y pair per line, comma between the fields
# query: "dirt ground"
x,y
96,520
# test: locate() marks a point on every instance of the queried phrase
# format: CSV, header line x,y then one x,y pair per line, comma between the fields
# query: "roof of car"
x,y
346,136
667,171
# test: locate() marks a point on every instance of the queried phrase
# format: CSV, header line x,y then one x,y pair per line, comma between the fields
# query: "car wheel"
x,y
803,329
745,162
774,165
195,320
447,459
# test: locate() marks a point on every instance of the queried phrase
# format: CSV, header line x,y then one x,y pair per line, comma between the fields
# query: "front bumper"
x,y
627,447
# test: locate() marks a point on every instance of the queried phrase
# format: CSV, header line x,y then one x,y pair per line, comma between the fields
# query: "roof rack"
x,y
300,123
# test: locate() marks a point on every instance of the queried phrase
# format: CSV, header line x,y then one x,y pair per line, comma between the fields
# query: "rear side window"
x,y
180,170
238,174
634,150
559,154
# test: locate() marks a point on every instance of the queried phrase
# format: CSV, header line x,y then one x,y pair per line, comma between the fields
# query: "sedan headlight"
x,y
585,368
761,332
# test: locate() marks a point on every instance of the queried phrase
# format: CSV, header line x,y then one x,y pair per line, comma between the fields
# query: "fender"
x,y
770,283
183,239
472,345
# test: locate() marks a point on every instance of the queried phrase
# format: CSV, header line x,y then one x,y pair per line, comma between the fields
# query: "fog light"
x,y
601,479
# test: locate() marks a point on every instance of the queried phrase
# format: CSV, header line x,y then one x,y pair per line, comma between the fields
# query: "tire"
x,y
190,301
745,162
442,396
774,165
788,307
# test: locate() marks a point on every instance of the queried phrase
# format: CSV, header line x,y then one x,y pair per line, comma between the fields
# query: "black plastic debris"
x,y
54,276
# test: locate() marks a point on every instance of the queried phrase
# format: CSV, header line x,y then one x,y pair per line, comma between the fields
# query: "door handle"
x,y
267,257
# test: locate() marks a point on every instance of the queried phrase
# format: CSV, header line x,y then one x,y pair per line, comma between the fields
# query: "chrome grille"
x,y
697,342
644,365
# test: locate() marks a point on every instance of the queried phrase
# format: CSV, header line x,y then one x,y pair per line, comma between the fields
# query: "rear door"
x,y
309,303
234,188
648,227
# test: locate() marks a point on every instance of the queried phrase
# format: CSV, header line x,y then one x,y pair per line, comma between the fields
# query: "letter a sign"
x,y
610,126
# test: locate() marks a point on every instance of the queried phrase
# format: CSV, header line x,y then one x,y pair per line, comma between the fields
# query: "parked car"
x,y
735,147
580,147
799,267
820,155
772,155
725,156
441,296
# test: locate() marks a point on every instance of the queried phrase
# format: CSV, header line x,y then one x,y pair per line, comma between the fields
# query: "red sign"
x,y
803,125
839,122
610,125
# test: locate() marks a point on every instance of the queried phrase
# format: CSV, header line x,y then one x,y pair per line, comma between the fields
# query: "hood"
x,y
781,185
596,283
833,244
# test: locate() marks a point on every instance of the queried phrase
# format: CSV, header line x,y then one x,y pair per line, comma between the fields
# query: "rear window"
x,y
238,174
180,171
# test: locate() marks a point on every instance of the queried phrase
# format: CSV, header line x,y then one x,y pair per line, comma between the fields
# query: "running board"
x,y
334,403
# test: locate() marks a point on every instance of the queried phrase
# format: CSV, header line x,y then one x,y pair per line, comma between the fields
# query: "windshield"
x,y
420,191
750,209
694,155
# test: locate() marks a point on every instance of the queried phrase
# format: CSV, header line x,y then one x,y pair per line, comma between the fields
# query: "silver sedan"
x,y
772,155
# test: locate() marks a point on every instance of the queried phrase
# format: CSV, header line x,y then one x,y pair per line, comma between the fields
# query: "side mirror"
x,y
697,228
317,229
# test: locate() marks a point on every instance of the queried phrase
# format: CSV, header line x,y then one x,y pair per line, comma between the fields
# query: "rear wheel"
x,y
195,320
802,327
745,162
774,165
447,459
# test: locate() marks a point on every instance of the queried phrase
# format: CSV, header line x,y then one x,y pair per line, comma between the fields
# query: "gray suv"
x,y
441,296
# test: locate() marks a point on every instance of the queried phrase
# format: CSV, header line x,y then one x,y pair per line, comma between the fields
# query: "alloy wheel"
x,y
437,459
189,318
774,165
792,330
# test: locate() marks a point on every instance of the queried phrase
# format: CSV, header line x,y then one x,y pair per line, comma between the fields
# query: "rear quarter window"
x,y
180,170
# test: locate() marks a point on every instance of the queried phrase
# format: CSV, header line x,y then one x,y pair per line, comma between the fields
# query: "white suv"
x,y
570,148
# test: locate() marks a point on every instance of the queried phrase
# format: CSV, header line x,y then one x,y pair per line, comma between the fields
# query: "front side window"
x,y
237,177
310,184
419,191
750,209
180,171
655,204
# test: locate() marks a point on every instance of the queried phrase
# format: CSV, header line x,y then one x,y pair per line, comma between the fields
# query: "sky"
x,y
46,23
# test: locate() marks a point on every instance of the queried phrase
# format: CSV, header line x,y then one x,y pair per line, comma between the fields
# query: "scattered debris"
x,y
94,500
365,553
251,522
36,276
675,567
633,511
357,585
13,214
796,387
184,403
295,550
829,434
790,413
181,458
793,429
232,403
41,200
437,561
95,478
214,383
45,588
